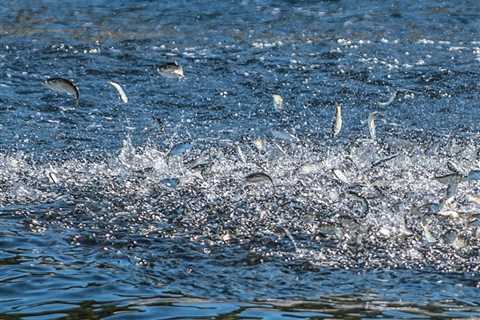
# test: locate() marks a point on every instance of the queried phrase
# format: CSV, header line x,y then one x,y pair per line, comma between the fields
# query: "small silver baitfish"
x,y
179,149
473,175
120,91
450,178
240,154
452,166
337,125
372,125
171,70
390,100
64,86
277,102
259,177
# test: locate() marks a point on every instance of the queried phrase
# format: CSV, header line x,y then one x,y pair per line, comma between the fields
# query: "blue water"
x,y
112,210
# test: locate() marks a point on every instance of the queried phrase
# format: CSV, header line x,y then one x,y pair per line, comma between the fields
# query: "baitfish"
x,y
240,154
389,101
259,177
171,183
64,86
340,176
179,149
277,102
473,175
337,124
450,178
171,70
120,91
372,125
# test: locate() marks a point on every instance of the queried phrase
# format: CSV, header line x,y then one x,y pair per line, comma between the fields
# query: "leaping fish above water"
x,y
371,125
337,124
259,177
277,102
390,100
171,70
120,91
63,86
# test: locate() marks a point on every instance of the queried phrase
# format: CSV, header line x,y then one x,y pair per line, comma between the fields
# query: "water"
x,y
140,210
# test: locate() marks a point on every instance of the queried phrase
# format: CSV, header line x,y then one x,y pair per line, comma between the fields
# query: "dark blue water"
x,y
140,210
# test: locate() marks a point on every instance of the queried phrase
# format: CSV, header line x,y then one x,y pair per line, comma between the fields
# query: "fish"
x,y
289,235
309,168
260,144
277,102
455,168
171,70
473,175
340,176
120,91
240,154
63,86
179,149
450,178
390,100
371,124
259,177
378,162
171,183
337,125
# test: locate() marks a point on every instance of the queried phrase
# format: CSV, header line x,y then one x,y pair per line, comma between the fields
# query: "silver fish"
x,y
289,235
64,86
179,149
259,177
473,175
390,100
340,176
378,162
277,102
171,183
450,178
455,168
309,168
120,91
371,124
337,125
171,70
240,154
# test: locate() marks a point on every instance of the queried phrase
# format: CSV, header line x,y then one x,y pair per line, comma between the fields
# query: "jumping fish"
x,y
390,100
240,154
450,178
371,124
340,176
337,125
260,144
378,162
277,102
179,149
64,86
259,177
120,91
473,175
171,70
